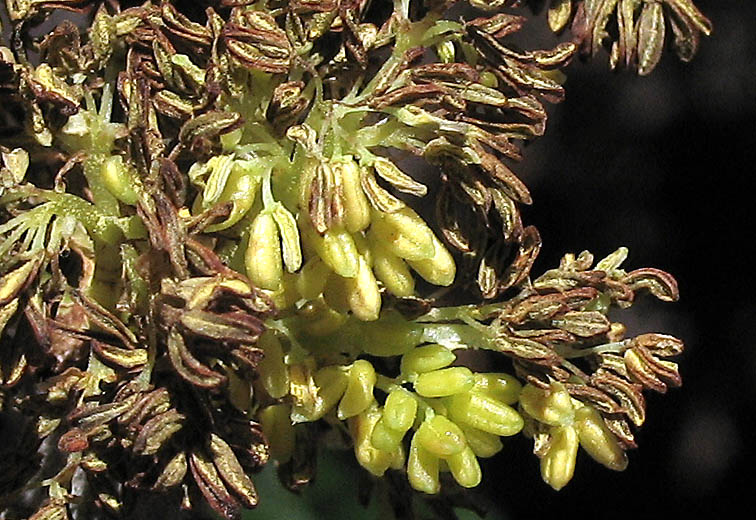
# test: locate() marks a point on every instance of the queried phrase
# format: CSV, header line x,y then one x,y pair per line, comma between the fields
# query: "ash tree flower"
x,y
216,249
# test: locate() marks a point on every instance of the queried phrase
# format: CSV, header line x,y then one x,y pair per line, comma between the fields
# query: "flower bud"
x,y
552,406
465,468
359,391
426,359
598,440
502,387
363,294
393,272
558,464
438,269
274,375
399,410
484,413
440,436
263,257
361,427
483,444
356,205
422,468
118,180
447,381
279,431
403,233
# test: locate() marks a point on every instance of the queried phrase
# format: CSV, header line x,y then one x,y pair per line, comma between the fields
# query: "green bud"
x,y
483,444
287,227
336,247
279,431
393,272
558,464
240,189
447,381
403,233
356,205
363,294
359,391
274,375
502,387
331,382
361,428
440,436
399,410
118,180
552,406
438,269
427,359
422,468
484,413
263,257
392,335
465,468
598,440
445,51
385,438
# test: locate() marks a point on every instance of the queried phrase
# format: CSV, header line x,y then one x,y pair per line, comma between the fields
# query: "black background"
x,y
665,166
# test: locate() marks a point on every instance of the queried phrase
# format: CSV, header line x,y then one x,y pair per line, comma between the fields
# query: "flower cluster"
x,y
215,249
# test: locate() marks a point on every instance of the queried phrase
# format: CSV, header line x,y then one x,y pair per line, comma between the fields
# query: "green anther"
x,y
312,278
483,444
552,406
356,205
272,370
240,189
119,180
364,296
399,410
447,381
422,468
558,464
502,387
279,431
337,249
404,233
426,359
263,257
597,440
359,391
438,269
331,382
441,436
465,468
371,458
391,335
385,438
484,413
392,271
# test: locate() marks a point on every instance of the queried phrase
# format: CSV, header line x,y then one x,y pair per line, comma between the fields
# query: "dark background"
x,y
665,166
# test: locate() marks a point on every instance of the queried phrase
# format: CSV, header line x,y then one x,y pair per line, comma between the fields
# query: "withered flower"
x,y
216,250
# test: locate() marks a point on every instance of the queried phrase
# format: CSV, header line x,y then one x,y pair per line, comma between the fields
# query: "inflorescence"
x,y
216,250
